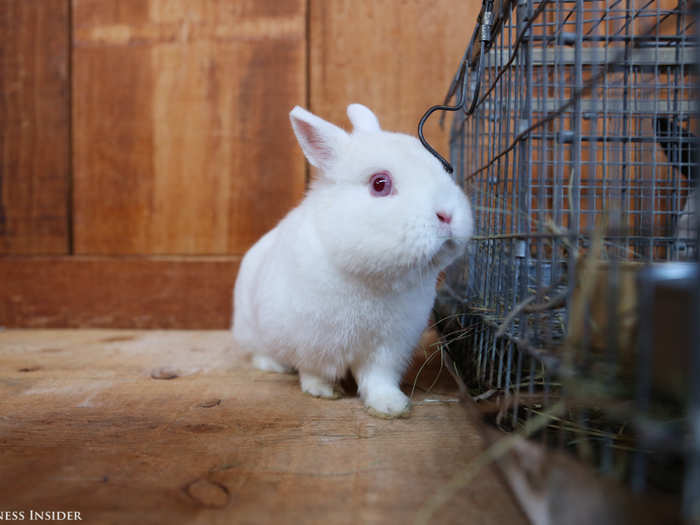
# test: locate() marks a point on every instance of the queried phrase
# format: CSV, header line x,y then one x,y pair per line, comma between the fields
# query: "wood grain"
x,y
398,58
128,292
85,427
34,129
181,129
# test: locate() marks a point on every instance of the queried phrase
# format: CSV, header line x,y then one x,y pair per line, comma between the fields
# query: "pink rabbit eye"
x,y
380,184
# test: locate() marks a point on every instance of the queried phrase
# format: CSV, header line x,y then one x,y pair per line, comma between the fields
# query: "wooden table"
x,y
170,427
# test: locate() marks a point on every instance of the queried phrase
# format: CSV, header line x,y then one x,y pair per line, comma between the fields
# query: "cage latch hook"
x,y
485,34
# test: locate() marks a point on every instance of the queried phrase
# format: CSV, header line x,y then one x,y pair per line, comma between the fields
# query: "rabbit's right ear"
x,y
320,141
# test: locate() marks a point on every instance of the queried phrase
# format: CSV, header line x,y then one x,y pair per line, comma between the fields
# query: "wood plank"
x,y
34,129
182,136
398,58
127,292
86,428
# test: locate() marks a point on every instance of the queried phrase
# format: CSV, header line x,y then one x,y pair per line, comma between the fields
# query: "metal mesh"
x,y
580,147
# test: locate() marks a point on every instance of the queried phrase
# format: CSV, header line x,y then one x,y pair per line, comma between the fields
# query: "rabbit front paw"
x,y
267,364
318,387
388,403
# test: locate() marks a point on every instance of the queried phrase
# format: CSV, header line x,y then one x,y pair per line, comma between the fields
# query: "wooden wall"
x,y
145,144
34,127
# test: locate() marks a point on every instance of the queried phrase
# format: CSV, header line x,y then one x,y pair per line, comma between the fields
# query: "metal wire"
x,y
485,31
579,138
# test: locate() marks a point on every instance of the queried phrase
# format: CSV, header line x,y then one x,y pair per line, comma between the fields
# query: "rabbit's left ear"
x,y
321,141
362,118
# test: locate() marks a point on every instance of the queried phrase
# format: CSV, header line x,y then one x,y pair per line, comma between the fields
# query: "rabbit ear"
x,y
362,118
320,141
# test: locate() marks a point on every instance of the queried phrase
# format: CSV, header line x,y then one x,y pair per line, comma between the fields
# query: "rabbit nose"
x,y
444,217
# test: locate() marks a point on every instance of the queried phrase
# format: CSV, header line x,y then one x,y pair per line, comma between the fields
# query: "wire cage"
x,y
575,141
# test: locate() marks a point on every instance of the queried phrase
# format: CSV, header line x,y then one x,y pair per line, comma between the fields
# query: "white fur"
x,y
362,118
346,280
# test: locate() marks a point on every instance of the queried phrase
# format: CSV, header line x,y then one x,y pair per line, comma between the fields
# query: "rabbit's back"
x,y
250,271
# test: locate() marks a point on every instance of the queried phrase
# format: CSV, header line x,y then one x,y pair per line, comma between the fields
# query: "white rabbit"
x,y
347,279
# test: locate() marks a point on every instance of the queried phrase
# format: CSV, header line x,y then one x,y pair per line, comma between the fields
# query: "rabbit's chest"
x,y
350,319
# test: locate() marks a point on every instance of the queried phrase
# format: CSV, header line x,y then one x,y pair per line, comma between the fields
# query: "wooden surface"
x,y
182,142
34,129
168,292
86,427
397,57
160,128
